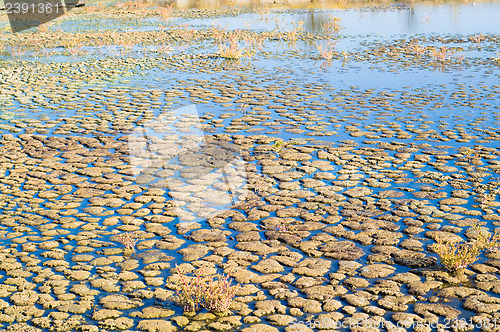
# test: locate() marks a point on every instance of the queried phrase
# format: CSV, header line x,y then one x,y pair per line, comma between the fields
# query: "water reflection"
x,y
385,20
306,4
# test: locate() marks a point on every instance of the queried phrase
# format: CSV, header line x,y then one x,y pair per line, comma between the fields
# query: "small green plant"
x,y
345,56
455,256
279,147
213,293
473,159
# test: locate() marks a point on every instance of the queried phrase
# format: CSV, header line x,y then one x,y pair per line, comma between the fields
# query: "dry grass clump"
x,y
166,12
234,45
442,54
417,49
327,51
486,200
95,8
293,35
213,293
219,294
128,239
164,48
263,11
127,47
332,26
477,39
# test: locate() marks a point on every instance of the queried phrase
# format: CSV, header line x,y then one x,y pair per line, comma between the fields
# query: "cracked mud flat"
x,y
336,228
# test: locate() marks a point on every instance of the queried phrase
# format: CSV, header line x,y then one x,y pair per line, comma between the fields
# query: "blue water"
x,y
349,89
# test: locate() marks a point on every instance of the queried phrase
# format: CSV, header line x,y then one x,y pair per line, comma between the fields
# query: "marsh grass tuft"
x,y
454,255
486,200
232,49
263,11
259,187
470,155
127,47
17,51
214,293
134,5
95,8
234,45
219,294
293,35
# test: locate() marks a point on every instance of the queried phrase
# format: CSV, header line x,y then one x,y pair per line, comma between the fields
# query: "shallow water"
x,y
374,105
399,20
